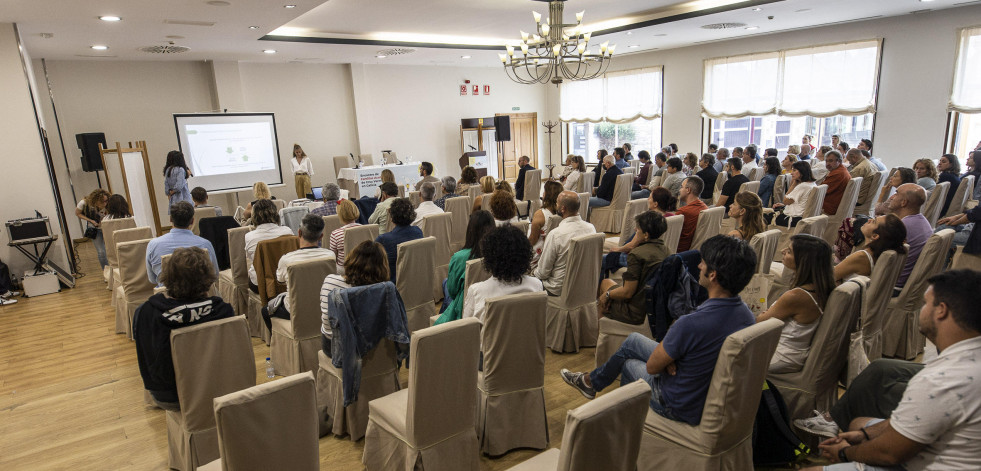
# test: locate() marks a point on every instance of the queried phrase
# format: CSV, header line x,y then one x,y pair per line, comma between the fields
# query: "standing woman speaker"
x,y
176,174
302,171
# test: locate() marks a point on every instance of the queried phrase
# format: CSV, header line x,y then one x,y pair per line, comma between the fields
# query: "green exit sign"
x,y
515,108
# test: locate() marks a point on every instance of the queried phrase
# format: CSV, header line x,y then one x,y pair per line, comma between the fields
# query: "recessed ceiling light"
x,y
926,0
757,9
662,34
379,56
218,3
110,18
752,27
253,27
464,57
629,33
802,10
269,51
174,36
633,46
99,47
289,6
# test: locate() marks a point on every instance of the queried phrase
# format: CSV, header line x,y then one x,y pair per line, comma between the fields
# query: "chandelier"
x,y
556,52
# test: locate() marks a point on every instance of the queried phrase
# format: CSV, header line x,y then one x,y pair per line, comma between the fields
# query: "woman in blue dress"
x,y
176,174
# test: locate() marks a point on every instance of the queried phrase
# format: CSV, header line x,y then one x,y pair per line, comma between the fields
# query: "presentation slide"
x,y
229,151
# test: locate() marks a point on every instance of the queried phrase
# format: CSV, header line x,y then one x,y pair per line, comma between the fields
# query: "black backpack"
x,y
774,443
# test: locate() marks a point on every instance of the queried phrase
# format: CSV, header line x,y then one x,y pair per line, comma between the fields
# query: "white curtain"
x,y
965,95
617,97
822,81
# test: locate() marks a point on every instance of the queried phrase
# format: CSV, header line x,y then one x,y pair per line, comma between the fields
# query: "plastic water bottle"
x,y
270,371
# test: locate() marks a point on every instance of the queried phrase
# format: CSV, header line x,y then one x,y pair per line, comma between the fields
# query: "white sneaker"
x,y
818,425
5,301
10,294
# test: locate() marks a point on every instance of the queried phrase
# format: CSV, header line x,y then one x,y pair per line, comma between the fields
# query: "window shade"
x,y
822,81
965,95
617,97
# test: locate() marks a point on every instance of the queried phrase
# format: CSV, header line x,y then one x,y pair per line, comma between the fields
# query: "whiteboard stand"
x,y
128,169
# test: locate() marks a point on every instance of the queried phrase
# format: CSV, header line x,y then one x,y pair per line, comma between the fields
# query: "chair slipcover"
x,y
752,186
532,192
720,181
120,236
655,182
814,225
584,203
415,277
571,316
627,227
878,179
295,341
210,360
963,260
353,236
134,287
608,218
755,174
901,336
475,273
612,333
459,210
672,236
367,159
485,201
472,192
266,261
201,213
341,161
269,426
331,223
815,386
709,225
109,227
935,202
431,424
845,208
415,198
379,378
552,222
280,204
438,227
779,190
292,217
233,284
585,183
876,299
511,409
723,438
961,196
765,245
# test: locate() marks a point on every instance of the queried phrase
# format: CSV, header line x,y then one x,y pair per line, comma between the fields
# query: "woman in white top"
x,y
575,166
539,222
367,264
881,233
802,306
507,256
802,182
348,213
92,210
265,217
302,171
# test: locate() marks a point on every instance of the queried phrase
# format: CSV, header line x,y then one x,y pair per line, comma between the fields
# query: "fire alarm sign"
x,y
486,89
463,90
476,90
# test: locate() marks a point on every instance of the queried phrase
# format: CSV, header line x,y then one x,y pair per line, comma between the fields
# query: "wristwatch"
x,y
842,457
607,295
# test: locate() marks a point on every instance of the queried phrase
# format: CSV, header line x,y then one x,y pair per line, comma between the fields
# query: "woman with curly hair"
x,y
401,214
747,211
487,185
507,256
926,173
91,210
691,164
468,178
365,265
481,222
503,207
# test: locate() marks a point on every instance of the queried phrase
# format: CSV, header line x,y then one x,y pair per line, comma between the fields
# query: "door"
x,y
524,141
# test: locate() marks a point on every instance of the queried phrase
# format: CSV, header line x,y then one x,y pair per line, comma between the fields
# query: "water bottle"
x,y
270,371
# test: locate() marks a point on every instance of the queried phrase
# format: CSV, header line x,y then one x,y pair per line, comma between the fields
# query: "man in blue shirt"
x,y
679,369
181,216
866,145
619,154
402,215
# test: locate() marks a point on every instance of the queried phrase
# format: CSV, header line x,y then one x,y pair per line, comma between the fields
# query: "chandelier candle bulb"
x,y
610,50
604,46
545,29
581,48
538,16
524,49
504,58
510,49
555,50
580,15
586,36
524,36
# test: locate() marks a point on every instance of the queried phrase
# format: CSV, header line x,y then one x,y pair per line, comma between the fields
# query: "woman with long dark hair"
x,y
539,221
366,265
117,208
881,233
796,200
176,174
481,222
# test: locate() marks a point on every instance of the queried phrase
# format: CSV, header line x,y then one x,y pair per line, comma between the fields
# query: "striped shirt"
x,y
337,245
331,283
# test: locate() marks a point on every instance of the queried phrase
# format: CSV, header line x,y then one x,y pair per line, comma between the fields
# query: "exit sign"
x,y
515,108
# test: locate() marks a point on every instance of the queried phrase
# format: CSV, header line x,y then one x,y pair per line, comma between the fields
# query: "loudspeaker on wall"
x,y
502,126
88,143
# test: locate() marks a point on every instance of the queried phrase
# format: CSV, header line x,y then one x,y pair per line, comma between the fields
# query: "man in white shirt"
x,y
819,167
265,217
937,423
552,264
673,177
749,160
426,207
310,232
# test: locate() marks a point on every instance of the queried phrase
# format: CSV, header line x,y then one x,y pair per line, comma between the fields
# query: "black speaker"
x,y
88,143
502,124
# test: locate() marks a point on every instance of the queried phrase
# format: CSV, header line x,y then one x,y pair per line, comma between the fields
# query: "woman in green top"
x,y
481,222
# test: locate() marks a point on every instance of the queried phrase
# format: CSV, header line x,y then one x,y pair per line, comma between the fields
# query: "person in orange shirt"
x,y
837,180
691,207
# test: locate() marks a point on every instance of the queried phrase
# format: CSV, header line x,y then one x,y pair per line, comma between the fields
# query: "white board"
x,y
139,191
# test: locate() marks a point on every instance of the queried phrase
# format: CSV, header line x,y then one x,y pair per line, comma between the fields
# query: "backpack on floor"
x,y
774,443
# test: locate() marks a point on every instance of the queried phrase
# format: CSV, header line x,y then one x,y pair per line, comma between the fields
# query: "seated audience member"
x,y
950,169
770,152
524,165
713,148
117,208
708,174
402,216
348,213
619,161
365,265
679,369
806,142
449,191
818,166
771,169
736,178
604,193
331,195
661,202
673,176
487,186
576,167
188,276
260,191
907,205
801,307
674,149
552,265
310,231
539,221
507,256
389,193
866,145
933,419
598,169
628,156
628,303
426,172
200,197
794,204
503,208
468,178
975,170
926,173
881,233
426,205
640,181
793,149
181,216
749,160
747,213
788,163
690,164
835,139
660,162
265,218
842,148
721,157
836,179
900,176
805,153
690,207
965,224
737,152
481,222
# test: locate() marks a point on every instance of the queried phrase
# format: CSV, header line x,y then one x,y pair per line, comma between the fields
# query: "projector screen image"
x,y
229,151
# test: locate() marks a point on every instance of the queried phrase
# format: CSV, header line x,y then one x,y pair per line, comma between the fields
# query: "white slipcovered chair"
x,y
233,283
709,225
201,213
331,223
875,299
608,218
935,203
459,210
415,277
584,203
571,317
765,245
962,195
876,181
295,341
673,234
134,286
845,207
627,227
438,226
379,378
109,228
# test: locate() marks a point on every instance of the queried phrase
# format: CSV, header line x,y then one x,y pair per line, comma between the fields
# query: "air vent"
x,y
396,51
724,26
189,22
168,49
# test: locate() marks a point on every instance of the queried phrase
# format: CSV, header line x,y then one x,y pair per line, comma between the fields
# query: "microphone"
x,y
471,147
355,162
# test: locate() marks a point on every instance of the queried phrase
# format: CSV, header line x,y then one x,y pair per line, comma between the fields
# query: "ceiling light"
x,y
634,46
629,33
926,0
110,18
464,57
661,34
253,27
379,56
757,9
269,51
99,47
752,27
802,10
289,6
218,3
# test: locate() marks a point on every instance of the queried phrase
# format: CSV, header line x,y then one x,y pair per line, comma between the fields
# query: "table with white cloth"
x,y
363,181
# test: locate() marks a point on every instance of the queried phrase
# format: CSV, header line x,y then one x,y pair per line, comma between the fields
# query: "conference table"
x,y
363,181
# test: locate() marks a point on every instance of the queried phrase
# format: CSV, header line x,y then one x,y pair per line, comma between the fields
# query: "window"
x,y
780,132
586,139
965,96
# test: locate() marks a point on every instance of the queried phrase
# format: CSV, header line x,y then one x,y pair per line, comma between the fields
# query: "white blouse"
x,y
572,181
800,195
302,167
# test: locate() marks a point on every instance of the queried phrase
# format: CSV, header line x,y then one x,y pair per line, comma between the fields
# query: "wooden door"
x,y
524,141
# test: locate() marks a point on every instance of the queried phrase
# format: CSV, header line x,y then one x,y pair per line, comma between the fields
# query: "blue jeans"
x,y
640,194
630,363
597,202
100,249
